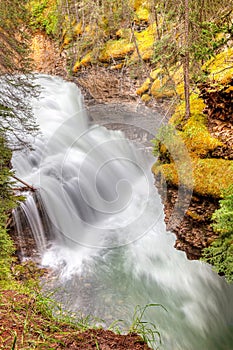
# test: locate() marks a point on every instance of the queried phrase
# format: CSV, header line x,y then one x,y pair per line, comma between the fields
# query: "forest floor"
x,y
25,326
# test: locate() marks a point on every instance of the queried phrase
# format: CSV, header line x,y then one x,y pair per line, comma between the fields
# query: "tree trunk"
x,y
186,59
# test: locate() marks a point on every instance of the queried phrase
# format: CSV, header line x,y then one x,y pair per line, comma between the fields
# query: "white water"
x,y
111,250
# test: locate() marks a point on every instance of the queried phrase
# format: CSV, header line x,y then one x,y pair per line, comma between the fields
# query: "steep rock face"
x,y
219,111
207,137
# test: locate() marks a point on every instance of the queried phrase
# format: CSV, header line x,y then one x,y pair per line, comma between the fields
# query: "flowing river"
x,y
108,245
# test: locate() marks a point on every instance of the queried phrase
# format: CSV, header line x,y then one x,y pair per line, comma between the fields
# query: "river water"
x,y
109,249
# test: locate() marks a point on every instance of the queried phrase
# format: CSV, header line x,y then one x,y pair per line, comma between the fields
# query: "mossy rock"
x,y
197,106
85,61
145,41
197,138
162,88
210,176
145,87
145,98
116,49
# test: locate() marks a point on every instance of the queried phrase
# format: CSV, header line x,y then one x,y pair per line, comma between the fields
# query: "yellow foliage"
x,y
220,68
116,49
210,176
145,87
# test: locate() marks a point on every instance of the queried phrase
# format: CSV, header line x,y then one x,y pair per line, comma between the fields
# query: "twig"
x,y
24,183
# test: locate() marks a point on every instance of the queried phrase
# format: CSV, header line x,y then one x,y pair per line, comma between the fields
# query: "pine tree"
x,y
16,83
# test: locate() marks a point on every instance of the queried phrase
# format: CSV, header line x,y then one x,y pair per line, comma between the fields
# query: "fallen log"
x,y
27,186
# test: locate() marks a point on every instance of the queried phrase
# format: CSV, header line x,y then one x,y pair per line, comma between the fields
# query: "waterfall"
x,y
109,247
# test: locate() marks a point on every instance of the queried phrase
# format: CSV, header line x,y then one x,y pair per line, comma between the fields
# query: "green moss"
x,y
210,176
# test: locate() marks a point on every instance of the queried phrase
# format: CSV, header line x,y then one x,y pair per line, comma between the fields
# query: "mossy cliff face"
x,y
208,169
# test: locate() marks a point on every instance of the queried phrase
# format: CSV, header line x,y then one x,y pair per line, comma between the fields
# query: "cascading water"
x,y
110,248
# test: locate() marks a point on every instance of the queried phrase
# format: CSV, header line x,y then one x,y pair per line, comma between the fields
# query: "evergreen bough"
x,y
7,202
220,252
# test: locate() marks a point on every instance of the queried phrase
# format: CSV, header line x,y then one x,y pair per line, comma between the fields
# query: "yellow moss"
x,y
67,39
78,29
116,49
196,107
124,33
91,29
176,76
145,87
146,97
86,60
161,88
229,89
210,176
142,14
195,133
136,4
155,73
197,138
145,41
76,66
220,68
117,66
180,90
